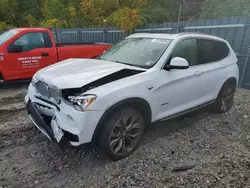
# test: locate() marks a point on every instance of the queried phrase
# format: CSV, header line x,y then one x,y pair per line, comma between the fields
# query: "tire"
x,y
225,99
121,134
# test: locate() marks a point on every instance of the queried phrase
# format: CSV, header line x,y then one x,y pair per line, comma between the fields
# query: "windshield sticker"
x,y
162,41
149,63
30,62
1,56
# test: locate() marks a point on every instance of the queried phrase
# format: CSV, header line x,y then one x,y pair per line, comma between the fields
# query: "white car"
x,y
144,78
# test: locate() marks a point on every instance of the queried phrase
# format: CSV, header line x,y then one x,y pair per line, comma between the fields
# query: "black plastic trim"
x,y
188,111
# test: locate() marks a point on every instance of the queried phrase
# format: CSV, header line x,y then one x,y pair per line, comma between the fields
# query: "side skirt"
x,y
188,111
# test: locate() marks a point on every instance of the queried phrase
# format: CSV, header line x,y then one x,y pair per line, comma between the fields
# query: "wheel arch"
x,y
137,103
231,80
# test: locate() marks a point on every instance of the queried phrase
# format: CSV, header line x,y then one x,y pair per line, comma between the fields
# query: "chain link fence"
x,y
228,19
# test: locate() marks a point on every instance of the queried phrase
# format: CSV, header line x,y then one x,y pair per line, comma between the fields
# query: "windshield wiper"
x,y
123,63
129,64
115,61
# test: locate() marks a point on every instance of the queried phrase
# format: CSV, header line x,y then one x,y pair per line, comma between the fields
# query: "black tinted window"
x,y
47,40
188,50
212,51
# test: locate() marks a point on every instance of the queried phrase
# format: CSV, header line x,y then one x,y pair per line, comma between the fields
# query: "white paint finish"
x,y
150,35
83,124
179,62
167,92
58,133
82,71
178,88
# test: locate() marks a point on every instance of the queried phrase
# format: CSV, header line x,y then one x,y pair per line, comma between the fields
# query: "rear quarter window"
x,y
212,51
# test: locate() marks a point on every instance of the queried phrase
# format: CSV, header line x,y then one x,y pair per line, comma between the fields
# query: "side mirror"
x,y
178,63
15,49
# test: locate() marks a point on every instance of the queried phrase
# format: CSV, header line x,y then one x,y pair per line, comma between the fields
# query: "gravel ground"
x,y
215,148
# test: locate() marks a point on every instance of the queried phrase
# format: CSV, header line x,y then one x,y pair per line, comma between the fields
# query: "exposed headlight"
x,y
55,94
81,102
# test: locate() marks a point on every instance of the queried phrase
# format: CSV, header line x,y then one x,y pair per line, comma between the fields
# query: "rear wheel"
x,y
121,134
225,99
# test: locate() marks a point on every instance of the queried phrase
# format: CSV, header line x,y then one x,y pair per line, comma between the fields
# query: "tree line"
x,y
125,14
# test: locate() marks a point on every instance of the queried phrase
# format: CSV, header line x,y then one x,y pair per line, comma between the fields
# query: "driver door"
x,y
178,90
27,54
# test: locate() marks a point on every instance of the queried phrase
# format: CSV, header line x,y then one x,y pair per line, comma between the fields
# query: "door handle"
x,y
197,73
45,54
223,66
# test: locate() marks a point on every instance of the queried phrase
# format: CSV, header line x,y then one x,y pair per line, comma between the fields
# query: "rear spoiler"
x,y
239,54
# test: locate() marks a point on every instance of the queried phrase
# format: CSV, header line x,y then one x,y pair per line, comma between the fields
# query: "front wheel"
x,y
225,99
121,134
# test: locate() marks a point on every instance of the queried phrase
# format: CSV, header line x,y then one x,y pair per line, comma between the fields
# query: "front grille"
x,y
47,101
42,89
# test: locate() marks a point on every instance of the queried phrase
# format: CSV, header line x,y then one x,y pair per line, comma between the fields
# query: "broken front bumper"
x,y
62,121
52,132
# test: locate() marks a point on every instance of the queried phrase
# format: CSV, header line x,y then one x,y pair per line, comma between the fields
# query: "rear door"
x,y
35,51
213,57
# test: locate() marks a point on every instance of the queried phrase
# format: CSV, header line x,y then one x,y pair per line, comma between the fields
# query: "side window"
x,y
47,40
212,51
30,41
222,50
188,50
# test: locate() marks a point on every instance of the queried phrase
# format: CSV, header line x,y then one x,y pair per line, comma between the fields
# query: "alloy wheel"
x,y
227,99
125,135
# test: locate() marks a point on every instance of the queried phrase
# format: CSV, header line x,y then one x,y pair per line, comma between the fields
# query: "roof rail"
x,y
199,33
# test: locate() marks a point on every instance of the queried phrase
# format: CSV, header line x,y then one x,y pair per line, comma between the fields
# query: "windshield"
x,y
7,35
139,52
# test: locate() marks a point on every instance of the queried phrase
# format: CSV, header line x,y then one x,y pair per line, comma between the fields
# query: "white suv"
x,y
109,100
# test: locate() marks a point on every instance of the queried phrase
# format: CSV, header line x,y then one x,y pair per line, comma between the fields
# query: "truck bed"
x,y
82,44
87,50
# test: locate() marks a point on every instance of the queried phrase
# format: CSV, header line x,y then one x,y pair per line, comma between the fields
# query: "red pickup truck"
x,y
23,51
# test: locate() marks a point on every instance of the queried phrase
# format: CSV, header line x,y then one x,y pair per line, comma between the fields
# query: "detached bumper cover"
x,y
78,127
42,126
38,121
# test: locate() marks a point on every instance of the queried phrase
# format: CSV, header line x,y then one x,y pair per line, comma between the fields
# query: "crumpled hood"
x,y
75,73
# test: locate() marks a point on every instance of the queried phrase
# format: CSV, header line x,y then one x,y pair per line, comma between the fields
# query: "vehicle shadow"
x,y
154,131
73,160
165,128
14,85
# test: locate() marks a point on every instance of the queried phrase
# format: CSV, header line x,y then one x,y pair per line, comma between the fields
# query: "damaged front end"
x,y
124,73
51,110
48,126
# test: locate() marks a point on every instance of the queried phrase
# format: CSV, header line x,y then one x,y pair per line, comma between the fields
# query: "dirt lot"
x,y
217,146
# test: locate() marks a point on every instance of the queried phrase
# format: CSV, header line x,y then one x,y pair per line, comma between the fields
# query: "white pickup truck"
x,y
144,78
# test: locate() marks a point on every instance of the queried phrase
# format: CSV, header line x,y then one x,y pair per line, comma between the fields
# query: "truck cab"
x,y
24,51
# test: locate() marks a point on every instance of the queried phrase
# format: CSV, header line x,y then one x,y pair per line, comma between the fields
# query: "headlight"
x,y
55,94
81,102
